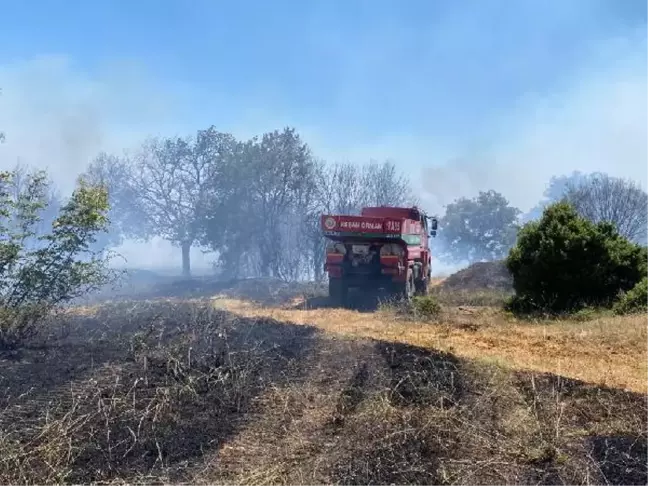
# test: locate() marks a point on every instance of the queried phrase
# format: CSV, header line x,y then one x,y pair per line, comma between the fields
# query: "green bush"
x,y
425,307
589,314
420,307
563,263
634,301
40,271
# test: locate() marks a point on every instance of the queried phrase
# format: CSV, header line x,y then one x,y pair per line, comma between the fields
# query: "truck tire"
x,y
410,288
405,291
421,286
338,292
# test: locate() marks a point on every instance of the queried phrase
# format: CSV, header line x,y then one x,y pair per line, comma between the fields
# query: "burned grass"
x,y
264,291
138,399
181,392
379,413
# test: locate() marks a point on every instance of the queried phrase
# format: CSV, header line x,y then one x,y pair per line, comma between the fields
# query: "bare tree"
x,y
382,185
126,219
171,182
600,197
339,188
345,188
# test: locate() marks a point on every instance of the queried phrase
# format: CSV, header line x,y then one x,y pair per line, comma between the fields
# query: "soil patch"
x,y
481,275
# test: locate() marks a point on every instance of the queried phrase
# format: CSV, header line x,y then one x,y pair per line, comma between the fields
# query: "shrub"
x,y
633,301
564,262
426,306
423,307
588,314
38,272
420,307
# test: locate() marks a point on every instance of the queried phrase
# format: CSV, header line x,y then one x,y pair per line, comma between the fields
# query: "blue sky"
x,y
463,96
422,67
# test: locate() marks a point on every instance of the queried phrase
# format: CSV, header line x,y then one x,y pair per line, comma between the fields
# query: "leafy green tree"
x,y
564,262
256,208
34,280
634,301
482,228
284,167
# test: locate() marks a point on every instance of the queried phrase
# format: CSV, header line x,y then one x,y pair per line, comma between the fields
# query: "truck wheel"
x,y
338,292
405,291
410,288
421,287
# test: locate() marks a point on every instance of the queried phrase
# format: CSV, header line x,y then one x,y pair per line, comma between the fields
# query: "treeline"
x,y
254,203
487,226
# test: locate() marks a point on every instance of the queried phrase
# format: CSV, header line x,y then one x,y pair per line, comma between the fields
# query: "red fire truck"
x,y
383,247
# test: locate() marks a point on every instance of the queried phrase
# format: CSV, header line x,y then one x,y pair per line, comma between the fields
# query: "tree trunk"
x,y
318,261
266,250
186,260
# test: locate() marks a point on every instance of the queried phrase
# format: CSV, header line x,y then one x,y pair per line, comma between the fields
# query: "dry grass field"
x,y
228,389
605,350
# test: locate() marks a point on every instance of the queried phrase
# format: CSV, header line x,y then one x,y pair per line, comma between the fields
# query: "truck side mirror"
x,y
435,224
433,233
